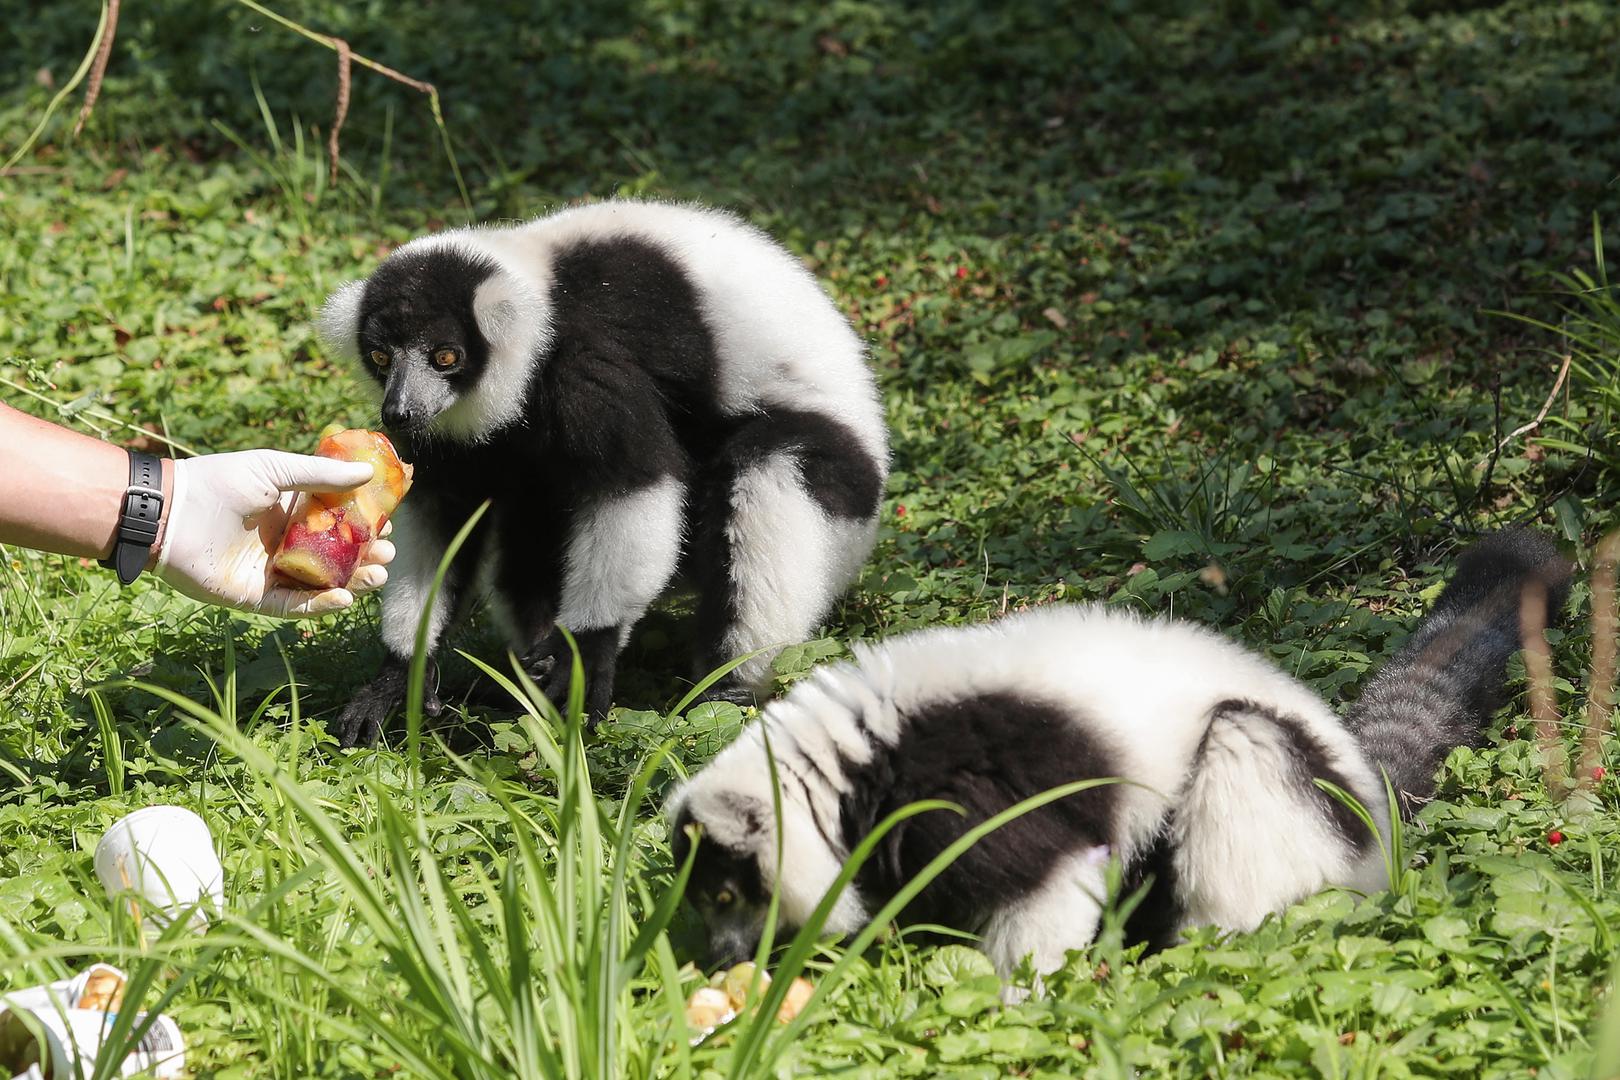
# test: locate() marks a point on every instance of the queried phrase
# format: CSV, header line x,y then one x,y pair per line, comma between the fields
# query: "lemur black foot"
x,y
363,719
539,664
557,680
551,665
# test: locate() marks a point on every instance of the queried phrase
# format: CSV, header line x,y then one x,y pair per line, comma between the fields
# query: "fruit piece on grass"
x,y
737,982
739,979
708,1008
799,991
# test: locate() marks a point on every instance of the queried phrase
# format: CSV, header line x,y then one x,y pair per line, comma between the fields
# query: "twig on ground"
x,y
61,95
1558,384
98,67
95,63
98,414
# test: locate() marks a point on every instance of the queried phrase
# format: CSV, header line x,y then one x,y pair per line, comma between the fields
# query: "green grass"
x,y
1177,306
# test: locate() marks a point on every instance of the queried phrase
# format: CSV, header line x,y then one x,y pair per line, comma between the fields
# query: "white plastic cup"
x,y
164,856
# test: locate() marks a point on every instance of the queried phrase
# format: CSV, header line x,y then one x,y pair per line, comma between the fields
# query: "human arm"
x,y
223,514
61,491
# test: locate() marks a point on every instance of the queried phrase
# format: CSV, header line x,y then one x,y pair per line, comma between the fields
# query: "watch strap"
x,y
138,517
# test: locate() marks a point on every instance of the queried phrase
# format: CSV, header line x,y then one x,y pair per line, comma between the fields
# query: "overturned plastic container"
x,y
161,860
57,1031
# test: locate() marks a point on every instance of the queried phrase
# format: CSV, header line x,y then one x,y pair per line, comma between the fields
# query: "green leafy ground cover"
x,y
1181,307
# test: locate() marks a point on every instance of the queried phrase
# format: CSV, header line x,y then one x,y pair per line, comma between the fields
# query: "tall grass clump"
x,y
1590,332
525,937
511,931
519,926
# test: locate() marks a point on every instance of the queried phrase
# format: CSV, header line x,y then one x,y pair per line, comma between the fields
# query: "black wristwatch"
x,y
139,517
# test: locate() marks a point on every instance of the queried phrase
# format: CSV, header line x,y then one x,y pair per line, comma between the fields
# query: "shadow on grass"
x,y
1393,141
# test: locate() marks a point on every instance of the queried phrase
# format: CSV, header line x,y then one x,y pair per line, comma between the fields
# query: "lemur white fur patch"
x,y
1240,832
1039,925
790,560
621,555
410,579
339,321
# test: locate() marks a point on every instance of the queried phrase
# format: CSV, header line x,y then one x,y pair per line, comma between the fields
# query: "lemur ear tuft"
x,y
747,813
339,320
504,307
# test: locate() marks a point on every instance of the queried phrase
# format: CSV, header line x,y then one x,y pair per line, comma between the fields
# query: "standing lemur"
x,y
642,390
1221,816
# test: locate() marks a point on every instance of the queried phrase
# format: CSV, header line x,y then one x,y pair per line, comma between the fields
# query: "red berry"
x,y
961,271
1555,838
1598,772
900,510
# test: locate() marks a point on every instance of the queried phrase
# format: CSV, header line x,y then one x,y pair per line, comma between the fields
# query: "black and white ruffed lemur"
x,y
1222,820
643,391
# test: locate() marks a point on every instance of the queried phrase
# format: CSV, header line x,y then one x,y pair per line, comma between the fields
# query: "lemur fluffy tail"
x,y
1444,684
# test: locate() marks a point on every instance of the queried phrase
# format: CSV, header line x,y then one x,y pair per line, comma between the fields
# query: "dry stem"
x,y
346,58
98,69
344,55
1600,684
1546,406
341,47
1543,697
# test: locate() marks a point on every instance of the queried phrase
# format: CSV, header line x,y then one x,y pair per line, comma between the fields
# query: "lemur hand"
x,y
226,519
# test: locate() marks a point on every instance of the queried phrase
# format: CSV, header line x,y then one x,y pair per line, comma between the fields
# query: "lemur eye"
x,y
446,358
724,898
379,358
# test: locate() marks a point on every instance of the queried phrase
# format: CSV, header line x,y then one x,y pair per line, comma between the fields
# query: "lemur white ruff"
x,y
1223,818
641,389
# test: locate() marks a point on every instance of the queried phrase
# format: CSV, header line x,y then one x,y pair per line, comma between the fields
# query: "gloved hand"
x,y
226,519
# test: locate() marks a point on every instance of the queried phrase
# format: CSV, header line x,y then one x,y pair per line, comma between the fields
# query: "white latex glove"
x,y
228,514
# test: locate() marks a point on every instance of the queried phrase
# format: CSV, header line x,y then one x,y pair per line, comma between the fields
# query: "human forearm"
x,y
62,491
223,514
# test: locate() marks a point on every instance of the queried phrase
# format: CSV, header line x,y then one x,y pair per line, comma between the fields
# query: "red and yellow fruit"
x,y
328,531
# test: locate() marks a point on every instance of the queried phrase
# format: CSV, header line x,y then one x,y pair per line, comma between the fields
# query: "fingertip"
x,y
367,578
316,473
329,601
353,470
303,604
379,553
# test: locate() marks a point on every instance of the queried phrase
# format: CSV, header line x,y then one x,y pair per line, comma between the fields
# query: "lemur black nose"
x,y
729,949
396,416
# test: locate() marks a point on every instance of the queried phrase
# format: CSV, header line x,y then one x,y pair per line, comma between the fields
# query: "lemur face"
x,y
446,334
725,888
418,335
